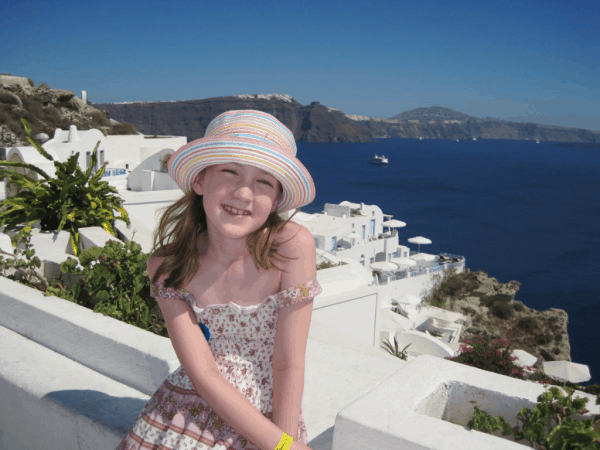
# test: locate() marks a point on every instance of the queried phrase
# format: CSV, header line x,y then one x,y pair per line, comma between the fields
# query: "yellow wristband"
x,y
285,442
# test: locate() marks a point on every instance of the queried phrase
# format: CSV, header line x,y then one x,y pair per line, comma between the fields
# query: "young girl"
x,y
241,378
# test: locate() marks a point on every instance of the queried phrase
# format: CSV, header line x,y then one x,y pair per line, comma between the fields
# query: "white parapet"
x,y
427,405
123,352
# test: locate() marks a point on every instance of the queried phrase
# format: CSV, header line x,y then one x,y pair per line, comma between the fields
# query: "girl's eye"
x,y
234,172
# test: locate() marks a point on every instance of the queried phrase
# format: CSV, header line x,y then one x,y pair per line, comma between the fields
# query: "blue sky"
x,y
533,60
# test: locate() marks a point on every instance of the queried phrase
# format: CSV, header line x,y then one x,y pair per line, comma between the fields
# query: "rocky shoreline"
x,y
492,310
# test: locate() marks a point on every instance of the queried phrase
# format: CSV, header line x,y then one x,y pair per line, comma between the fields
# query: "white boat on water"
x,y
537,141
379,160
474,139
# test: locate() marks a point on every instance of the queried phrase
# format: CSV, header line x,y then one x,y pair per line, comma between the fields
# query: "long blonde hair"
x,y
177,239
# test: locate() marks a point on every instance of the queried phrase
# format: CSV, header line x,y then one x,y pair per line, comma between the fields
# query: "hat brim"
x,y
188,161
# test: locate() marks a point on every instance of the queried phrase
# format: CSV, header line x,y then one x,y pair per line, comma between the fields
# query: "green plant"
x,y
22,264
485,423
449,285
70,200
550,425
328,264
115,283
518,306
502,310
123,128
395,351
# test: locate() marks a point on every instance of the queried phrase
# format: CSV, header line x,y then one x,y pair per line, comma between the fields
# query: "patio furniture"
x,y
450,331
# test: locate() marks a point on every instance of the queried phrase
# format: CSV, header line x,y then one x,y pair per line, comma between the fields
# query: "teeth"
x,y
236,211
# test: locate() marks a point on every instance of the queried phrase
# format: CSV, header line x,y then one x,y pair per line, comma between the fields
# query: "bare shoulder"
x,y
295,237
298,243
154,262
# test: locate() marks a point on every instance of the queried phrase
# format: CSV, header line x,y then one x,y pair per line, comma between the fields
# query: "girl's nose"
x,y
243,192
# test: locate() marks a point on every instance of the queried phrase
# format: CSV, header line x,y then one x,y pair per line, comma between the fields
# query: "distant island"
x,y
319,123
47,109
436,122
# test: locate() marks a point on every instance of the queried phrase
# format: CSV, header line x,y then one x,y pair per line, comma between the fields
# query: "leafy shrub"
x,y
123,128
550,425
527,324
22,264
8,98
552,320
115,283
71,200
491,300
98,119
450,285
518,306
543,339
328,264
502,310
494,355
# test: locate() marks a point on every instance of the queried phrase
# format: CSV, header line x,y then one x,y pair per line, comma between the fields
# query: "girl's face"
x,y
253,192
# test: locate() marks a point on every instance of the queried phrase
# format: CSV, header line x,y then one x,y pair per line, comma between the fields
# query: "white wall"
x,y
134,149
148,177
351,315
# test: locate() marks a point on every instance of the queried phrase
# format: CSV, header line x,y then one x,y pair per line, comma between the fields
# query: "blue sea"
x,y
516,209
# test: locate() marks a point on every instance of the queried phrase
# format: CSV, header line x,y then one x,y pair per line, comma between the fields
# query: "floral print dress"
x,y
242,341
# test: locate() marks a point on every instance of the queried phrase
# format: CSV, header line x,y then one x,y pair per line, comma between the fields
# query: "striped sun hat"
x,y
247,137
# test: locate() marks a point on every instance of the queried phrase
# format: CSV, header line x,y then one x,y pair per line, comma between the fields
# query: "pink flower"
x,y
530,369
465,348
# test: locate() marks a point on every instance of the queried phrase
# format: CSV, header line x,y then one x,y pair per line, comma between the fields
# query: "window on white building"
x,y
334,240
362,262
372,260
364,228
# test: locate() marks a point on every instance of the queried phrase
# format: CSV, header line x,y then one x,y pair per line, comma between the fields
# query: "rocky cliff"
x,y
46,109
313,123
443,123
493,311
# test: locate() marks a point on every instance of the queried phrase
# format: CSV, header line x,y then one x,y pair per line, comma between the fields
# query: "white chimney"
x,y
84,97
362,205
73,135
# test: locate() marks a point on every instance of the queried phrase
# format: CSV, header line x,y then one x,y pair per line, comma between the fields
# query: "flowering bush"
x,y
494,355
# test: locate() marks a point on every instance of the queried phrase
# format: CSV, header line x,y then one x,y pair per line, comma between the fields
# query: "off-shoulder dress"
x,y
242,341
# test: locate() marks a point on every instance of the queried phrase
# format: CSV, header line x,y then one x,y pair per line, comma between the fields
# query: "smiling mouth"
x,y
235,212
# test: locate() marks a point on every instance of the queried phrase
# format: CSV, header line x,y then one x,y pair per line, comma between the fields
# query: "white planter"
x,y
428,395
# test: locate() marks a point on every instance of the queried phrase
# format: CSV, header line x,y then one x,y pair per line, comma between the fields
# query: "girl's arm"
x,y
199,364
293,323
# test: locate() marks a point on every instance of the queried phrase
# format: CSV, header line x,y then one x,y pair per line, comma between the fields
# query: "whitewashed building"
x,y
354,230
136,162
